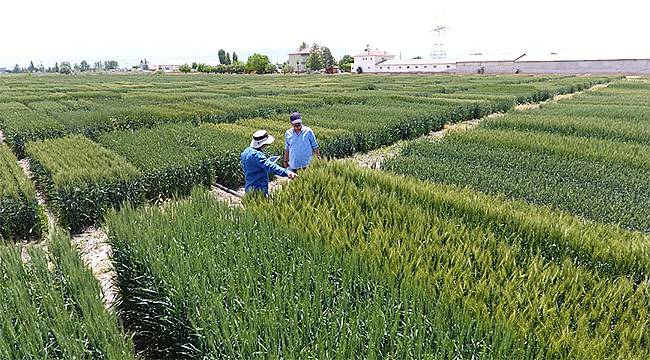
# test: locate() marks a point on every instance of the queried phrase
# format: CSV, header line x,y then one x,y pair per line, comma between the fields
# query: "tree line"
x,y
66,68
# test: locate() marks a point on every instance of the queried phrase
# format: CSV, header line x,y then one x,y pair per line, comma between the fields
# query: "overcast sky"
x,y
184,31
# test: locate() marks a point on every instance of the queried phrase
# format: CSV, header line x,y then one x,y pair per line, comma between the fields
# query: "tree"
x,y
194,65
258,64
236,68
16,69
84,66
110,65
303,46
287,69
65,68
185,68
76,67
346,59
98,66
326,55
416,58
31,67
314,61
234,57
222,56
56,67
228,62
346,63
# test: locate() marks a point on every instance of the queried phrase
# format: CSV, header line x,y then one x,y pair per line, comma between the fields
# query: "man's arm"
x,y
314,144
276,169
286,157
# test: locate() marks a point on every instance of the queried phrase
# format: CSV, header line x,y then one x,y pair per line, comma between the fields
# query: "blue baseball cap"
x,y
296,118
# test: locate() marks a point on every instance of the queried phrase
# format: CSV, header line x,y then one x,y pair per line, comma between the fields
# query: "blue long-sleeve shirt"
x,y
257,168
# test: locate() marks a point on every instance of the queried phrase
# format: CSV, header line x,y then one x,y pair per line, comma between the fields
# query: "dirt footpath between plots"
x,y
92,246
374,159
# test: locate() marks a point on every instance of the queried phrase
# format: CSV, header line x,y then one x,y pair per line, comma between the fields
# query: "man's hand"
x,y
285,164
292,175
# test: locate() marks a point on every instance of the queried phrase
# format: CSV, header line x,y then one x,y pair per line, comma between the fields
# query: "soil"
x,y
228,198
2,137
95,252
51,219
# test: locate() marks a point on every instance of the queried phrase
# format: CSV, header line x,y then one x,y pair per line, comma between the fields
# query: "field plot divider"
x,y
40,198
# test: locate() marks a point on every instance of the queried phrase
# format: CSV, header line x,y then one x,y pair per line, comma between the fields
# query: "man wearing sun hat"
x,y
258,166
300,144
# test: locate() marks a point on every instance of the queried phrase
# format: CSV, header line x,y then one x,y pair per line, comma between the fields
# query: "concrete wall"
x,y
633,66
489,67
624,66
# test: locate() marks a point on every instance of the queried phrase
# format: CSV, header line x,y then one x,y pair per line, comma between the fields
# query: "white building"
x,y
415,66
166,68
374,61
368,60
298,59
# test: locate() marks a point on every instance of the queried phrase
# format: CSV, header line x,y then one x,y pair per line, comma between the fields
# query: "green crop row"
x,y
199,280
559,287
591,160
20,215
99,104
50,307
81,179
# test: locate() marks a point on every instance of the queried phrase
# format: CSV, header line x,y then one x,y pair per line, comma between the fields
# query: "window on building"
x,y
435,66
381,67
388,67
447,66
400,67
416,66
408,67
425,66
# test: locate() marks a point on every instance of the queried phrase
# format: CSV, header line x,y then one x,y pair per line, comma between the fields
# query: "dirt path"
x,y
91,244
51,219
226,195
2,137
219,192
95,252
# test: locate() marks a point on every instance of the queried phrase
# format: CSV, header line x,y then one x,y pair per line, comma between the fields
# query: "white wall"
x,y
415,68
625,66
366,62
297,62
631,67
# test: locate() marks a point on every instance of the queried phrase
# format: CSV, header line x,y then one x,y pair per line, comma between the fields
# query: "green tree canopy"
x,y
222,56
314,61
326,55
259,64
185,68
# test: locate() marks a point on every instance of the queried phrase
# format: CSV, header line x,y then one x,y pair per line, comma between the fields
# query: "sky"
x,y
176,32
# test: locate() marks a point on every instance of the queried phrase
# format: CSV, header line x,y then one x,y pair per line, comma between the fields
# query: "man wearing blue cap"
x,y
300,144
258,166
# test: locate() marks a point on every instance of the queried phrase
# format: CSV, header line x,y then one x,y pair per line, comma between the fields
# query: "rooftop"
x,y
374,53
306,51
416,62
